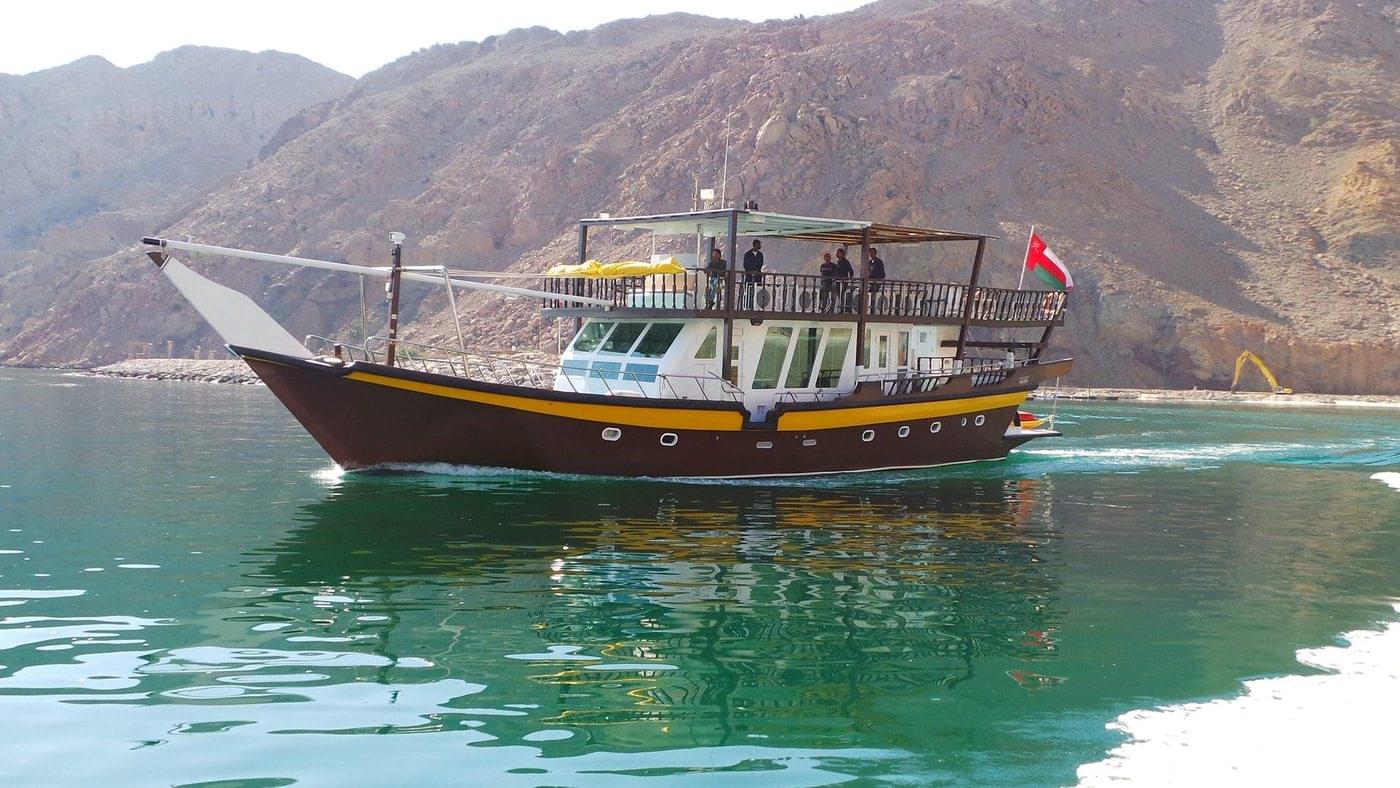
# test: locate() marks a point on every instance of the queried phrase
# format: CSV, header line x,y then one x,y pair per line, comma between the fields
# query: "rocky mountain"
x,y
1218,175
92,155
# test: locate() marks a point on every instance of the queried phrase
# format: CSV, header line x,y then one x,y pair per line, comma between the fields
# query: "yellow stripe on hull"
x,y
715,420
621,415
808,420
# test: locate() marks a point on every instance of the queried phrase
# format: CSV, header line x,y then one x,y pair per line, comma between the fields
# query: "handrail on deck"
x,y
803,294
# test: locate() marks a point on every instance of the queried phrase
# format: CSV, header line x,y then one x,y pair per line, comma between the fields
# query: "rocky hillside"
x,y
1219,175
92,155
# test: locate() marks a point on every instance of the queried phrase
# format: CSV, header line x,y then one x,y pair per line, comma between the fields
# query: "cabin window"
x,y
833,357
640,373
865,356
591,336
707,348
902,359
607,370
623,337
884,350
575,368
657,340
770,359
804,358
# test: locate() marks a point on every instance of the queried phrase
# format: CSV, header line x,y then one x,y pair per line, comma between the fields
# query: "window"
x,y
591,336
980,420
623,337
574,367
804,358
669,439
707,348
639,373
611,433
834,357
865,357
868,436
935,427
770,359
763,445
904,431
902,350
607,370
884,350
657,340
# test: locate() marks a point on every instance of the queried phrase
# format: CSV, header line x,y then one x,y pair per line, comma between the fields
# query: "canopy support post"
x,y
727,369
395,279
364,315
971,299
860,318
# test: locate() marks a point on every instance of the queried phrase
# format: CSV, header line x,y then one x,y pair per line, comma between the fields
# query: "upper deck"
x,y
733,294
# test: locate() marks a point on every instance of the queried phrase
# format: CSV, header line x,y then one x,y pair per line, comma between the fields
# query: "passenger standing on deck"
x,y
874,270
718,265
753,271
845,272
828,273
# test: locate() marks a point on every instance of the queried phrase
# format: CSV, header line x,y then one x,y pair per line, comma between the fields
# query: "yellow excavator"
x,y
1258,362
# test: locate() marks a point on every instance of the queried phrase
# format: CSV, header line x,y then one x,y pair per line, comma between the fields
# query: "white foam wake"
x,y
1336,729
1390,479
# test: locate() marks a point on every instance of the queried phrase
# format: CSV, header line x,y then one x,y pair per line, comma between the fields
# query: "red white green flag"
x,y
1043,263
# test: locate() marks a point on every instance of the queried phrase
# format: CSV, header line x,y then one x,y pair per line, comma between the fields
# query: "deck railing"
x,y
798,295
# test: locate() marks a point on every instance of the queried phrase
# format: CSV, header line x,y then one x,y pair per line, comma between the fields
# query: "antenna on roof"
x,y
724,175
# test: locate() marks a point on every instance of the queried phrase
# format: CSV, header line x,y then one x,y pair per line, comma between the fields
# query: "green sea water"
x,y
190,593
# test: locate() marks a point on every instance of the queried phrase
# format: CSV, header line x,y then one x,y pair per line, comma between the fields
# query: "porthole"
x,y
980,420
611,433
904,431
809,442
669,439
935,427
764,445
964,421
868,436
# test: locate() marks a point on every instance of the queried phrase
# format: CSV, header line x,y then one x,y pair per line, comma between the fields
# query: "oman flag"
x,y
1044,264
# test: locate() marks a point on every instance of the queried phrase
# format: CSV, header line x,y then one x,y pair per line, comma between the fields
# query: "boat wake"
x,y
1294,730
1196,456
1390,479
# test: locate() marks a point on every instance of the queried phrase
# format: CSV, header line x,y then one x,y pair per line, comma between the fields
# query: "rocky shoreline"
x,y
1212,397
195,370
235,371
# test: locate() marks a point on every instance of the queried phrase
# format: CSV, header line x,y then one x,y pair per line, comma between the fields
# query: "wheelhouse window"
x,y
640,373
833,357
770,359
804,358
591,336
607,370
708,346
623,337
657,340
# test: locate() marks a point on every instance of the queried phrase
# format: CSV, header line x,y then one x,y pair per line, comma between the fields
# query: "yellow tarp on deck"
x,y
596,270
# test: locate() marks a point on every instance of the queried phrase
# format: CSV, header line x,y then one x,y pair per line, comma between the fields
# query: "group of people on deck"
x,y
834,274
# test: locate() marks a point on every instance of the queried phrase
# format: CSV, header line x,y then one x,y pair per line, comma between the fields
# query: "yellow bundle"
x,y
596,270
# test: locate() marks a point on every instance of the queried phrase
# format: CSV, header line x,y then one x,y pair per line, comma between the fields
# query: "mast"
x,y
395,280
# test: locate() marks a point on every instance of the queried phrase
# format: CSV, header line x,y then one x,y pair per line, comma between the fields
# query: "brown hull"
x,y
370,415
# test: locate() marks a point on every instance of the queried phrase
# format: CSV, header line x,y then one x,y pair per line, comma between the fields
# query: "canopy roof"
x,y
763,224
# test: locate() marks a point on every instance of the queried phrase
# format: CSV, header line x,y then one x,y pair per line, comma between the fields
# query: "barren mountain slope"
x,y
1143,138
92,155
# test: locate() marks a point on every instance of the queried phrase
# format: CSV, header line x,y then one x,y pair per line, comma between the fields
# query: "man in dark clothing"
x,y
753,270
828,273
874,270
715,270
844,270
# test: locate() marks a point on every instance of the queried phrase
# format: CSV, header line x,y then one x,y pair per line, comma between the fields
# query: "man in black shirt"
x,y
716,269
844,270
828,274
874,270
753,270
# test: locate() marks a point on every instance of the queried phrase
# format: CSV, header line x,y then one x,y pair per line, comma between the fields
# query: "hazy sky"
x,y
352,36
